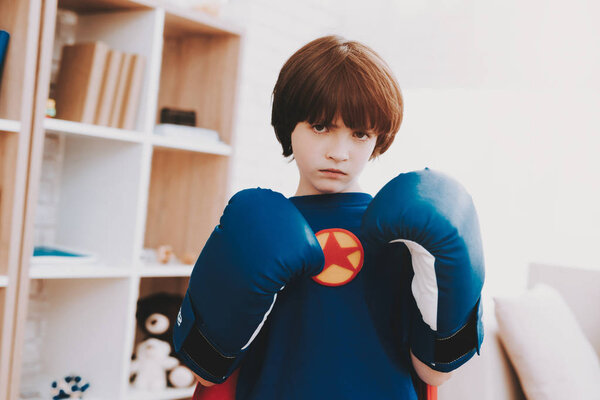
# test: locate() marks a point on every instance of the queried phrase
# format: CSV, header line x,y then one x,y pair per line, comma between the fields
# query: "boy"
x,y
305,295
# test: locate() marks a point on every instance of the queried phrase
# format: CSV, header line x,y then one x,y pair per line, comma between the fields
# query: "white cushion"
x,y
545,344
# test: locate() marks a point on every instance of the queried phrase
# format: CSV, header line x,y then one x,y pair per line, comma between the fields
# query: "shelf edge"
x,y
221,149
102,132
93,271
9,125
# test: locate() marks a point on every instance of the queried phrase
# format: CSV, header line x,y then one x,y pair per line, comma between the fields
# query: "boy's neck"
x,y
303,191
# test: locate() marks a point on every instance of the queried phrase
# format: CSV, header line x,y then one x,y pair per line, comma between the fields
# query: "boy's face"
x,y
330,158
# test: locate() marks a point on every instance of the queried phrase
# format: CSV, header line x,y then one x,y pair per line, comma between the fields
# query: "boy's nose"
x,y
338,150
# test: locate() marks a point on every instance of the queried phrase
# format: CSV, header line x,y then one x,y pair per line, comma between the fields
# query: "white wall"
x,y
502,95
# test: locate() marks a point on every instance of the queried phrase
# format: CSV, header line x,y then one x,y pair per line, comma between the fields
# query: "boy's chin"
x,y
331,188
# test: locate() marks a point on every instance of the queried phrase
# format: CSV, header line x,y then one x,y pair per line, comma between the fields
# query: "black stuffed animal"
x,y
156,314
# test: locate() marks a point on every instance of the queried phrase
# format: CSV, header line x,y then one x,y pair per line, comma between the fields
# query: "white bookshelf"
x,y
7,125
113,192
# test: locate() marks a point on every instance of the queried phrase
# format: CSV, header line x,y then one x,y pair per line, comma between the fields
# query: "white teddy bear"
x,y
151,363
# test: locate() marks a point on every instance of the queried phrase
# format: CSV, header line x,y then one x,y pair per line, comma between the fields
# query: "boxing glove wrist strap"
x,y
450,349
199,350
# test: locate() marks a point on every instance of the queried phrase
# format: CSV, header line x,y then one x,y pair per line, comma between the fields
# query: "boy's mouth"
x,y
333,171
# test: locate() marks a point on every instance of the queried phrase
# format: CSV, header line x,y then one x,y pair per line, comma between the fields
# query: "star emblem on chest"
x,y
344,256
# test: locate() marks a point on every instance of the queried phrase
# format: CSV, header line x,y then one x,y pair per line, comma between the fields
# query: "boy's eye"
x,y
319,128
362,135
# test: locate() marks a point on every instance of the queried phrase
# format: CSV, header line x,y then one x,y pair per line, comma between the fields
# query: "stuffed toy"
x,y
156,315
151,363
70,387
181,377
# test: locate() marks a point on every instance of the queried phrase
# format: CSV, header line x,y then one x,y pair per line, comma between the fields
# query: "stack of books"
x,y
99,85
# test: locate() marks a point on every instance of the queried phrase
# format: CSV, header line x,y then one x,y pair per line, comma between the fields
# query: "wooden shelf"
x,y
103,132
76,271
166,394
7,125
198,146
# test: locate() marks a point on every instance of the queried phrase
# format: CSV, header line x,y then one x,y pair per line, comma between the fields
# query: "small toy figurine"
x,y
164,253
50,108
70,387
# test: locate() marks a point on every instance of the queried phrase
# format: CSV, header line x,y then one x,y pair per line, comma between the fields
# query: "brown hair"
x,y
332,76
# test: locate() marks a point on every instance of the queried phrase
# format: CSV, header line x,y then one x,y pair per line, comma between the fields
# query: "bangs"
x,y
357,99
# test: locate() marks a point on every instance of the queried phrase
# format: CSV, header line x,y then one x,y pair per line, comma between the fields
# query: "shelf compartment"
x,y
149,286
7,125
185,200
167,394
135,31
102,132
199,73
83,331
99,186
8,183
21,20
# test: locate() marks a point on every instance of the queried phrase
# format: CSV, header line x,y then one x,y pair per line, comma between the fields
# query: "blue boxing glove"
x,y
435,218
261,243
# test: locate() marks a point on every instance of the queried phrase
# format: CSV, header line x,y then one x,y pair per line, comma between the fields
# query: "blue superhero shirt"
x,y
341,335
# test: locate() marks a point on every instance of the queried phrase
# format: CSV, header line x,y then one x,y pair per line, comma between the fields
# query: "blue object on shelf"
x,y
4,36
55,254
42,251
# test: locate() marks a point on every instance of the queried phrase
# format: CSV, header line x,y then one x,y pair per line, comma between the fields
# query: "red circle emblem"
x,y
344,256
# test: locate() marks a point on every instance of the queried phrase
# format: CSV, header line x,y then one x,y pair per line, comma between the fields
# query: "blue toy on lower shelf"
x,y
70,387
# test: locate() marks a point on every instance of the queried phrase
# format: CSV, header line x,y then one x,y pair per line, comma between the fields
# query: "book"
x,y
4,37
132,92
79,81
117,105
109,87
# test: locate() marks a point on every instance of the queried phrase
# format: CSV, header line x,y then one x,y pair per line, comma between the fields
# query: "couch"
x,y
491,375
